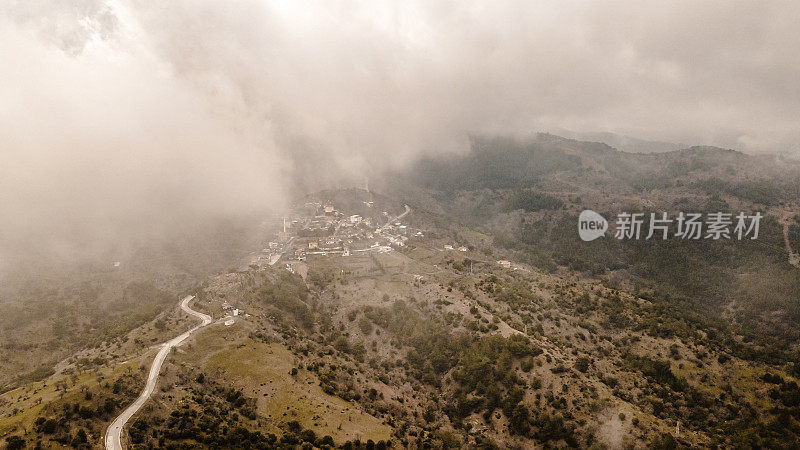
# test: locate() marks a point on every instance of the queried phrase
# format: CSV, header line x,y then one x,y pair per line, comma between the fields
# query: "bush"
x,y
582,364
365,325
527,364
46,426
15,443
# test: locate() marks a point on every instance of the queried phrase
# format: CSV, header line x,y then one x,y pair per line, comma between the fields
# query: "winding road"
x,y
114,432
396,218
786,220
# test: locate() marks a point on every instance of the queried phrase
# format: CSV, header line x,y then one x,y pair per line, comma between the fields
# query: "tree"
x,y
582,364
15,443
46,426
520,420
80,437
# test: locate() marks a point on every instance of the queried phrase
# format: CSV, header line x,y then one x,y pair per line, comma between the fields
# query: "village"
x,y
319,229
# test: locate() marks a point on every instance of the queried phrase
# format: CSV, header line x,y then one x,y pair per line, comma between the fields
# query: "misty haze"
x,y
374,225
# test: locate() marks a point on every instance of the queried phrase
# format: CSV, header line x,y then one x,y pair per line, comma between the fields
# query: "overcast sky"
x,y
112,111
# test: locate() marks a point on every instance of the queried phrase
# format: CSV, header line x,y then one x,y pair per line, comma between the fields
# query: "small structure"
x,y
229,322
504,263
462,249
313,244
448,247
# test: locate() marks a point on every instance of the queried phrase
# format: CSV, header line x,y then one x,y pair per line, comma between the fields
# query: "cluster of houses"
x,y
319,228
330,231
324,230
230,319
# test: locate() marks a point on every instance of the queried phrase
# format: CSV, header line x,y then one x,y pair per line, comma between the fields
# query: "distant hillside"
x,y
621,142
554,163
527,195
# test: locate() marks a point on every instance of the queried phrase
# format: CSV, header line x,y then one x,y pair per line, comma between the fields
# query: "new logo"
x,y
591,225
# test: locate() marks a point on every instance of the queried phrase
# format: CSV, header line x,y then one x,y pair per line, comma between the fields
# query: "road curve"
x,y
794,257
396,218
114,432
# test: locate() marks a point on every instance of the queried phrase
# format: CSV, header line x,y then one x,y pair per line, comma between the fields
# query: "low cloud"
x,y
107,146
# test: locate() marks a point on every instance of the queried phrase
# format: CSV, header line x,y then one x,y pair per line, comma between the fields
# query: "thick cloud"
x,y
390,79
101,143
115,113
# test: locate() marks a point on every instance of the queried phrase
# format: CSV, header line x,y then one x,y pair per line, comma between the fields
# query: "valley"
x,y
465,318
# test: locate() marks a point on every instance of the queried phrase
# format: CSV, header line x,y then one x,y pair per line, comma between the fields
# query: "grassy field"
x,y
22,406
264,371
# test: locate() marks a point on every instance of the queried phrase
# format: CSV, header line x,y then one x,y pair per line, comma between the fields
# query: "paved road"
x,y
794,257
408,210
274,258
396,218
114,431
